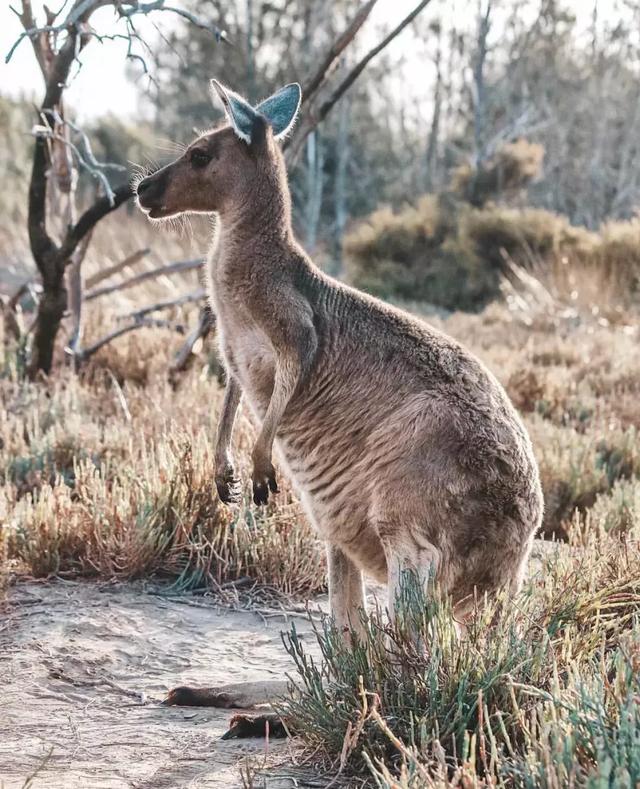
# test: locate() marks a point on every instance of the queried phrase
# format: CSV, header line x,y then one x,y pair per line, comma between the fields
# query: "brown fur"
x,y
404,449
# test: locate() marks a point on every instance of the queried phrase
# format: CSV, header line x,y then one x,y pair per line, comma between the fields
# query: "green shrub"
x,y
543,695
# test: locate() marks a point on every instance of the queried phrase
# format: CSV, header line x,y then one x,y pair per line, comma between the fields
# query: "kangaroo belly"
x,y
338,513
326,452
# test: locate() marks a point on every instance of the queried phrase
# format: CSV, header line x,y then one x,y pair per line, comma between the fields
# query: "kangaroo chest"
x,y
246,350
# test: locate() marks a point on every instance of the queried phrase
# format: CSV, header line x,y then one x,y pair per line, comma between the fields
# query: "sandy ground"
x,y
88,730
74,656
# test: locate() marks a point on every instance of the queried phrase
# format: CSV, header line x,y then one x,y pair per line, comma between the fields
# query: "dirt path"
x,y
95,735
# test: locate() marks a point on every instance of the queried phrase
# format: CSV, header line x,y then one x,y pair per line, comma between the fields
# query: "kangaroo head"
x,y
224,166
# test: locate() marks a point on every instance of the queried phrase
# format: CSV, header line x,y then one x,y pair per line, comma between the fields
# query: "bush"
x,y
617,255
546,694
510,170
417,254
452,255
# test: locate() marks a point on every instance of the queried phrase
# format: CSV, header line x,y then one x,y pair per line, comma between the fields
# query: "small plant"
x,y
545,682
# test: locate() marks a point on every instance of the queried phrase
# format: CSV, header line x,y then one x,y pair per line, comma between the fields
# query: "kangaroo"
x,y
404,449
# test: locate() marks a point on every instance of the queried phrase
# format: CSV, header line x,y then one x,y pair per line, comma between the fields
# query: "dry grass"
x,y
110,474
90,489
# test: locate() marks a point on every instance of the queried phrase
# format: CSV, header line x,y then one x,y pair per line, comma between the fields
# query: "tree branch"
x,y
314,118
197,295
206,323
92,216
83,354
172,268
312,86
105,273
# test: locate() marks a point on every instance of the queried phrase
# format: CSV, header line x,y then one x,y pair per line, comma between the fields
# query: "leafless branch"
x,y
206,323
92,216
313,118
312,86
74,279
171,268
130,260
83,354
83,9
94,168
197,295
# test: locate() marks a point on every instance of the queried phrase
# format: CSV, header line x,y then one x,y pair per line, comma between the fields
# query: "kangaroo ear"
x,y
239,112
281,109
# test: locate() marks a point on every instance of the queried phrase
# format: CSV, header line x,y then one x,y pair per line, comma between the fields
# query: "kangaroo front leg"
x,y
346,592
226,482
293,359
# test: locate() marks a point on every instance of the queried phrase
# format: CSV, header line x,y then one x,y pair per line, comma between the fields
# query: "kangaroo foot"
x,y
243,726
264,480
228,486
239,695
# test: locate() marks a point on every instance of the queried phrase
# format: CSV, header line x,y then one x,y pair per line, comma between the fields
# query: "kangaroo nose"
x,y
144,186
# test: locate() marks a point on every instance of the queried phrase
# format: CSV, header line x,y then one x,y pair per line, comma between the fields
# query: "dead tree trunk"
x,y
57,45
52,258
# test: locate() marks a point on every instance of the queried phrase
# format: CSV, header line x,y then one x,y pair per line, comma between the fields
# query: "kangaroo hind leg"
x,y
407,552
346,591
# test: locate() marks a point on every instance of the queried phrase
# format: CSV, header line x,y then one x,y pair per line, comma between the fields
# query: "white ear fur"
x,y
239,112
281,109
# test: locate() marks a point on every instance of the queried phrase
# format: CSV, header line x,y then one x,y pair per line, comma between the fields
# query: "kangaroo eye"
x,y
200,158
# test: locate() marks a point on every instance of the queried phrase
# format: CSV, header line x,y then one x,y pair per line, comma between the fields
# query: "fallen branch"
x,y
206,322
80,356
197,295
77,682
130,260
171,268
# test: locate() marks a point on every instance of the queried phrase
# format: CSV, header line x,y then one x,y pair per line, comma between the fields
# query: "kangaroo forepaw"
x,y
228,486
263,482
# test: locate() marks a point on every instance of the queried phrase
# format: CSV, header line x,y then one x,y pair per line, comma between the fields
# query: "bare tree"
x,y
57,45
61,148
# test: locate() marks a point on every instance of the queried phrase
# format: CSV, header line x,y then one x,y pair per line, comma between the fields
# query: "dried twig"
x,y
171,268
130,260
197,295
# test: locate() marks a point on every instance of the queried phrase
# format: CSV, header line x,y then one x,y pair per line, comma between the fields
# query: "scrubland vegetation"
x,y
108,473
530,257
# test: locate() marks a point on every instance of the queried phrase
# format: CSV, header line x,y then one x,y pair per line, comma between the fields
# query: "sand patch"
x,y
124,649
